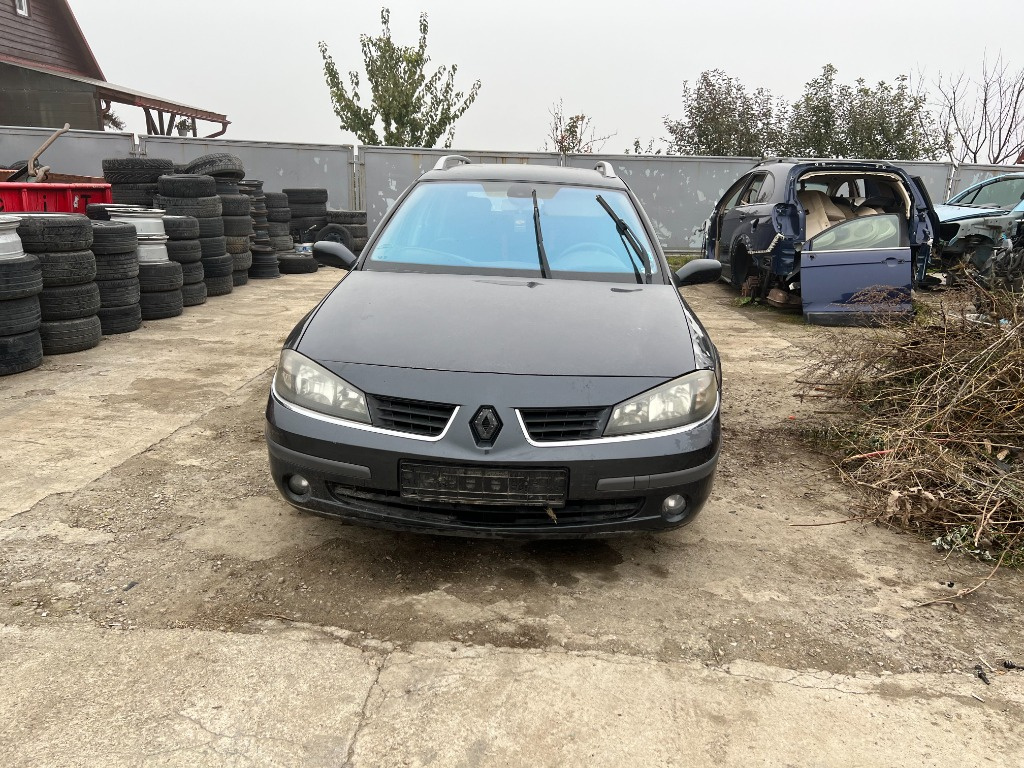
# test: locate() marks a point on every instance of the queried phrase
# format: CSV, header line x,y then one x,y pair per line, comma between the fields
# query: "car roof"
x,y
787,165
994,178
525,172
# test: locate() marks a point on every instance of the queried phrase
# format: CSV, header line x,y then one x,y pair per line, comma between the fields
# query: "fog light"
x,y
673,508
673,504
298,485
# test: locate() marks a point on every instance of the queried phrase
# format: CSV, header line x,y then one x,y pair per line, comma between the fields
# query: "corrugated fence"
x,y
677,192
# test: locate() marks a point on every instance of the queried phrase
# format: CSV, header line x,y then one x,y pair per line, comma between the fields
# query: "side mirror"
x,y
698,271
332,254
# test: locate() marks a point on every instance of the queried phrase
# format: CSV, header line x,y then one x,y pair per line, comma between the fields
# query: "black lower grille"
x,y
582,512
545,425
413,416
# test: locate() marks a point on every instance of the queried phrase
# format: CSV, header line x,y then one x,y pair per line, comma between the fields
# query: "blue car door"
x,y
857,272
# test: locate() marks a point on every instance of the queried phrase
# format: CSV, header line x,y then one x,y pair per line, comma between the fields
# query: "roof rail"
x,y
442,162
605,169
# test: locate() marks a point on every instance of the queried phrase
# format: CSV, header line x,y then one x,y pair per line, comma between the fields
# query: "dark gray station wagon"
x,y
509,356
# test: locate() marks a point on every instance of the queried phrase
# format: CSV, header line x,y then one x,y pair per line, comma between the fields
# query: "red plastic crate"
x,y
52,198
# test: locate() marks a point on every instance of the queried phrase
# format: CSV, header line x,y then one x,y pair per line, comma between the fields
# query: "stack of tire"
x,y
279,217
264,259
352,222
238,233
70,298
133,180
260,223
309,212
21,280
184,248
160,279
196,196
115,245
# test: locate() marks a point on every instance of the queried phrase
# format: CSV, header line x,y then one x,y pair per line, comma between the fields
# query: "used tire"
x,y
187,185
217,266
53,232
335,233
358,243
200,207
219,165
193,294
278,229
161,304
133,194
304,210
236,205
279,215
113,237
184,251
237,244
136,170
239,277
305,196
296,265
60,337
358,230
213,246
219,286
20,277
346,217
67,267
120,319
211,227
225,187
181,227
160,276
117,266
237,226
192,273
241,260
118,293
19,316
69,302
20,352
282,243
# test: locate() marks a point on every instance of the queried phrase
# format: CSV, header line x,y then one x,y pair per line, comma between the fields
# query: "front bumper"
x,y
613,486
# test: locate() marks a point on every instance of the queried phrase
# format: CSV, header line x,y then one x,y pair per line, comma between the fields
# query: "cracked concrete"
x,y
87,696
161,605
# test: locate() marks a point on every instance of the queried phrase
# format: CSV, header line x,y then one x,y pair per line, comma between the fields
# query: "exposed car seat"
x,y
817,218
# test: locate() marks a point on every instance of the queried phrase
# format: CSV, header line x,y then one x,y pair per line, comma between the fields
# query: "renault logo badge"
x,y
485,425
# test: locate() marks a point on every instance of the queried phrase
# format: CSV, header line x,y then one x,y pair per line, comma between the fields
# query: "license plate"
x,y
479,485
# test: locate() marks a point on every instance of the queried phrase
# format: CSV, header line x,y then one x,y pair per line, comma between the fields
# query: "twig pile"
x,y
937,423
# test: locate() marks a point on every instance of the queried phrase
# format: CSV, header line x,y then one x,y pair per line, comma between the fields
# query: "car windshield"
x,y
488,227
1005,194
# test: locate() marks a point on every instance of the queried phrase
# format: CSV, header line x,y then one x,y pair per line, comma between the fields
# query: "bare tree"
x,y
573,134
984,117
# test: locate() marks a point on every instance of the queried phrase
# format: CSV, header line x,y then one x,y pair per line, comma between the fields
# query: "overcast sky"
x,y
622,63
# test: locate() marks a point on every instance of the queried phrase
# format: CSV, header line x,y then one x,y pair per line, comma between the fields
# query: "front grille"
x,y
413,416
581,512
547,425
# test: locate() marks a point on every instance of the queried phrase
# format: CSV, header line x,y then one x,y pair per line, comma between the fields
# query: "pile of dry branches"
x,y
935,427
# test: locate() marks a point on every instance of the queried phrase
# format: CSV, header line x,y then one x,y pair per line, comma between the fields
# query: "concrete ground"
x,y
161,605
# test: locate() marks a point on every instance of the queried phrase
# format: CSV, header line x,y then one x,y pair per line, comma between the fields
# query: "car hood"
x,y
948,213
499,324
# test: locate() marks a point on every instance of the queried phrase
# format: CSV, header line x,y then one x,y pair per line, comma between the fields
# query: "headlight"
x,y
301,381
685,400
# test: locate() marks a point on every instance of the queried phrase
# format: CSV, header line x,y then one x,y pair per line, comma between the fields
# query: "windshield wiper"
x,y
628,236
542,256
